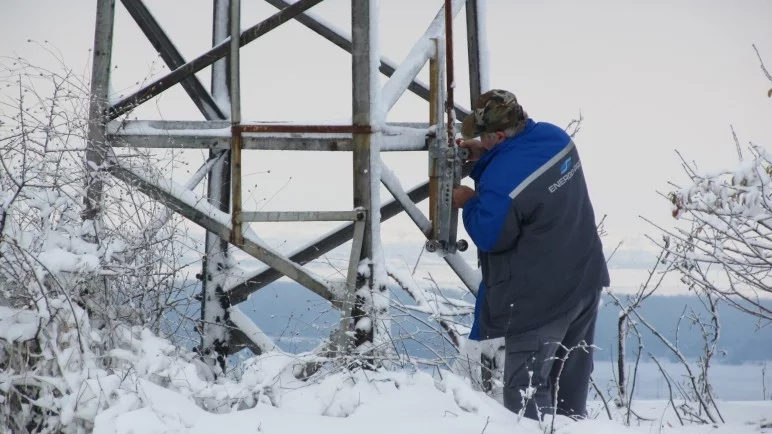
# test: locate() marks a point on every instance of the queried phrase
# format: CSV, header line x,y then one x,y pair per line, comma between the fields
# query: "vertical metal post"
x,y
478,82
215,336
434,106
436,118
237,237
473,31
100,81
362,24
450,78
450,105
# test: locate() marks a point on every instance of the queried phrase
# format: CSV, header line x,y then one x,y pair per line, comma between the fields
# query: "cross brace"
x,y
169,53
215,221
207,59
338,237
183,72
386,66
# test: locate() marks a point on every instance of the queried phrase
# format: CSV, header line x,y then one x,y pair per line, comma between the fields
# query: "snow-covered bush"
x,y
727,248
54,263
57,377
730,229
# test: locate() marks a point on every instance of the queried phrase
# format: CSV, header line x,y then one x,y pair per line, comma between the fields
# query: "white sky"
x,y
648,77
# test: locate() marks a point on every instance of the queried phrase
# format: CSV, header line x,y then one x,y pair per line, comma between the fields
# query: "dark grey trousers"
x,y
552,364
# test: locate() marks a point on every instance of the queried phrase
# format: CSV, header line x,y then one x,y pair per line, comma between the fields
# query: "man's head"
x,y
495,111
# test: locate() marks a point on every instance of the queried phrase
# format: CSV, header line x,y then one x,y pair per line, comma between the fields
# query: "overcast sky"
x,y
648,78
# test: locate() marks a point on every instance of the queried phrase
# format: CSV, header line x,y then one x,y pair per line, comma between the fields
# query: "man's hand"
x,y
461,195
475,147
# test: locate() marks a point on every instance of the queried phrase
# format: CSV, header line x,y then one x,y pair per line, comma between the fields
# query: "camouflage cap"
x,y
495,110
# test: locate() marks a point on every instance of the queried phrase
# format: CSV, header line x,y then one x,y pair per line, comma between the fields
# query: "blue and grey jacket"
x,y
535,227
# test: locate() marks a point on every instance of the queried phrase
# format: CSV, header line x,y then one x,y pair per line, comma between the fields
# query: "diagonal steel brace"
x,y
216,53
202,213
169,53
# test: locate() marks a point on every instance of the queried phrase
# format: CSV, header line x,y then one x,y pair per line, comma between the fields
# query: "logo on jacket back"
x,y
566,174
565,166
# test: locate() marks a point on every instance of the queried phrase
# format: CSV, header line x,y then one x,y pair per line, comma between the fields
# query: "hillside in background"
x,y
298,318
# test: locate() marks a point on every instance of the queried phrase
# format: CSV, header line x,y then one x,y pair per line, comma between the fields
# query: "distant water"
x,y
730,382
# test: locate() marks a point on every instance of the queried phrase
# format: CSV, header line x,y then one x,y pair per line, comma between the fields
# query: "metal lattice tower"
x,y
225,136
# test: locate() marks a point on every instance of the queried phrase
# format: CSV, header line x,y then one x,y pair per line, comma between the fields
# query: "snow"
x,y
416,58
17,326
147,385
58,260
403,138
252,331
378,404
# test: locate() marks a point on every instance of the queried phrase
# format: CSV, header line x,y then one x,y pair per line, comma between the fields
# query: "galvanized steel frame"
x,y
354,138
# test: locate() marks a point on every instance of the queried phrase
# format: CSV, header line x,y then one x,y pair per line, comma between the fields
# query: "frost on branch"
x,y
742,193
726,249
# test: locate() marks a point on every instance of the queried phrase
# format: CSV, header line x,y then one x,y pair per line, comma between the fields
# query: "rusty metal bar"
x,y
450,124
237,237
169,53
478,81
155,88
292,128
268,143
302,216
435,118
449,77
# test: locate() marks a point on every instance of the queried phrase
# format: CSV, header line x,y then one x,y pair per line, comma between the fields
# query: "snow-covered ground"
x,y
391,402
144,384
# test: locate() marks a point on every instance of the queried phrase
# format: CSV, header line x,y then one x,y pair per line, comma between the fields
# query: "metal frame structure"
x,y
226,136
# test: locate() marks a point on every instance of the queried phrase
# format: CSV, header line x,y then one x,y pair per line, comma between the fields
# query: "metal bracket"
x,y
445,163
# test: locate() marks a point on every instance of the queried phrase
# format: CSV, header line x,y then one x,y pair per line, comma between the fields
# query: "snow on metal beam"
x,y
217,135
468,276
199,211
338,37
247,334
420,53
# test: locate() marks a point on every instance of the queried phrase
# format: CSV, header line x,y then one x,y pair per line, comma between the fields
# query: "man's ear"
x,y
500,136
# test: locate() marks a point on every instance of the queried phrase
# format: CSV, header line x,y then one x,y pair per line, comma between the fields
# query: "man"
x,y
542,261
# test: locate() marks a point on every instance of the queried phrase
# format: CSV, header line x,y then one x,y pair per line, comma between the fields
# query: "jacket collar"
x,y
483,162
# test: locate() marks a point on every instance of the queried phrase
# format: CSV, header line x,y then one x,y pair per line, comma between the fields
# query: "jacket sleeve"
x,y
490,220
